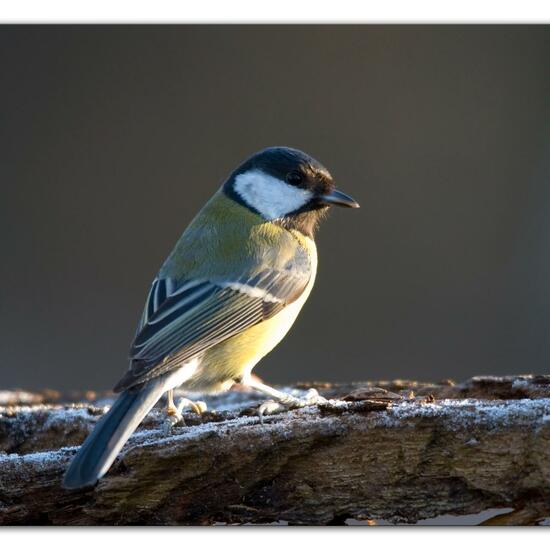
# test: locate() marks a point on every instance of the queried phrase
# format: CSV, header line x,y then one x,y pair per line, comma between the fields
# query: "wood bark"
x,y
397,452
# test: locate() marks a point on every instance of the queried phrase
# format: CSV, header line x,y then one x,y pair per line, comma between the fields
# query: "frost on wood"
x,y
403,453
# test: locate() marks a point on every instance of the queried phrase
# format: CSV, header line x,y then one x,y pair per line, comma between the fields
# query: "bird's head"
x,y
286,186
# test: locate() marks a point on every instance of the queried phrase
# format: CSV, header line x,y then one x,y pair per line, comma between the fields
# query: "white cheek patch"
x,y
271,197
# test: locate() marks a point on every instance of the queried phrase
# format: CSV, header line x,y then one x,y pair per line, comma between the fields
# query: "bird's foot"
x,y
197,406
286,401
174,415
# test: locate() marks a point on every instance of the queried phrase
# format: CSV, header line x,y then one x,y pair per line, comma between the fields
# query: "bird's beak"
x,y
339,199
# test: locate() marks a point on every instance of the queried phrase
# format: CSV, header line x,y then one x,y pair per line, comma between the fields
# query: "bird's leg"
x,y
174,412
171,409
280,400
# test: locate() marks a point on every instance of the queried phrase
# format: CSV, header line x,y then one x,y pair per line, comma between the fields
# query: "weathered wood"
x,y
385,455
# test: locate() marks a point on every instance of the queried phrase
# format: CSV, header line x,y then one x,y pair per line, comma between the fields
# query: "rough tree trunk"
x,y
386,455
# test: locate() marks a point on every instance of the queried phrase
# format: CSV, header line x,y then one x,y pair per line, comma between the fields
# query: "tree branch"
x,y
385,455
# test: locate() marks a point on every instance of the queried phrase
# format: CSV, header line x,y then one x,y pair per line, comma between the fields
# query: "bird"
x,y
225,296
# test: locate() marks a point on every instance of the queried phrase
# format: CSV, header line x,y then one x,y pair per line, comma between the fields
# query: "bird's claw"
x,y
196,406
269,407
312,397
174,415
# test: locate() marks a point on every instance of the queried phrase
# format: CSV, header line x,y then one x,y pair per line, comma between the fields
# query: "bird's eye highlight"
x,y
295,178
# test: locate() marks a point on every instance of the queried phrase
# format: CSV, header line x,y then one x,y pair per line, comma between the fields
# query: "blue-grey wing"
x,y
182,320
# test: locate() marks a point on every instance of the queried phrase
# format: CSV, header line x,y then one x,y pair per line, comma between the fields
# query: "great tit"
x,y
224,298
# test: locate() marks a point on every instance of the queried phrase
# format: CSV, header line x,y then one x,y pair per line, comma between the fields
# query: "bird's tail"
x,y
102,446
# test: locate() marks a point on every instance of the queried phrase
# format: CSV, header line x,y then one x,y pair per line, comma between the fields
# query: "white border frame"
x,y
279,11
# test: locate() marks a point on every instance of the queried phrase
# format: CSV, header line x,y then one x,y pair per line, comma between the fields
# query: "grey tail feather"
x,y
102,446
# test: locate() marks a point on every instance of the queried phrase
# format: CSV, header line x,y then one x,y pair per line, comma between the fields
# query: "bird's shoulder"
x,y
226,240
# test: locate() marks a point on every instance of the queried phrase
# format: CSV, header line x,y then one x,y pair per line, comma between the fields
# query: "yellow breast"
x,y
237,356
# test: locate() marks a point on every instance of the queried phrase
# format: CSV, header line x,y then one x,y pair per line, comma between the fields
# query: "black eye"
x,y
295,178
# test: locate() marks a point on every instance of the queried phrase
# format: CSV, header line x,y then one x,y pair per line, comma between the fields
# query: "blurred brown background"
x,y
111,139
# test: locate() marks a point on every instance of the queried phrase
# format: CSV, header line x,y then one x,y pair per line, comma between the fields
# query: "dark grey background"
x,y
113,137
